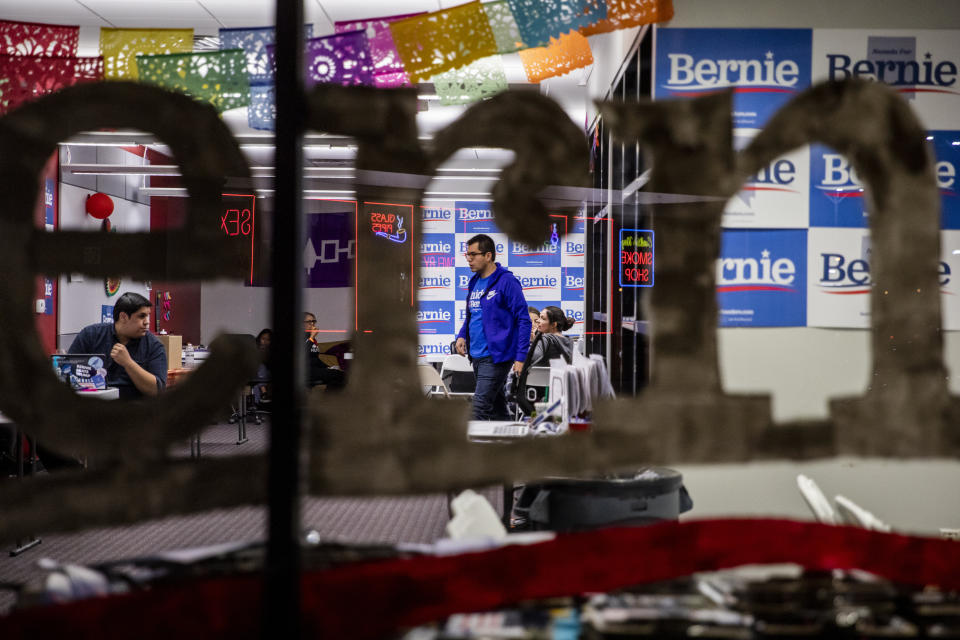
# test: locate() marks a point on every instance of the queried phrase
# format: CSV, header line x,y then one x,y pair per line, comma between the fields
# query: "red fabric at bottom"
x,y
371,600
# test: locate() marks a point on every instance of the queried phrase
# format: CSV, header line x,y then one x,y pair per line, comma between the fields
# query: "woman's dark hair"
x,y
263,332
558,317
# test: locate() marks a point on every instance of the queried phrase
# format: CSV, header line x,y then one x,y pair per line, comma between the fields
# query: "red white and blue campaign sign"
x,y
436,283
574,248
436,317
551,273
802,222
574,311
500,243
950,279
761,278
765,67
921,65
474,217
579,223
841,281
437,249
572,284
776,197
946,150
544,255
538,284
435,346
437,218
462,277
49,203
839,276
837,197
49,219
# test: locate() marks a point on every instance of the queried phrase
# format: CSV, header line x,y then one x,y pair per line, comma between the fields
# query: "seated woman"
x,y
261,389
547,344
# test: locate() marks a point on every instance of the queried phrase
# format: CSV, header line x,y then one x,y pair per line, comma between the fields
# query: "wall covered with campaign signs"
x,y
796,244
550,274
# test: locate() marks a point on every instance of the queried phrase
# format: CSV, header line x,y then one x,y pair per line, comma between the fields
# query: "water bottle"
x,y
188,356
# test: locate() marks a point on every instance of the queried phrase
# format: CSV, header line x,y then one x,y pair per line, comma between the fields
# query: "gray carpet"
x,y
379,519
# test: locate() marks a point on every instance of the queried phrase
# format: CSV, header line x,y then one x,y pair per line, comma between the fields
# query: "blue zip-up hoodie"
x,y
506,320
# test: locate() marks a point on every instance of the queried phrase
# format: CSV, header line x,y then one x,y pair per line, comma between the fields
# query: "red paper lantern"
x,y
99,205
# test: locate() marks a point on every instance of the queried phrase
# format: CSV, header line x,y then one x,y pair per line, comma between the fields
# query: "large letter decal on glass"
x,y
684,416
381,435
907,410
130,478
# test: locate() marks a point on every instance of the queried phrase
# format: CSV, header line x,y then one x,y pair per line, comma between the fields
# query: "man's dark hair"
x,y
484,243
129,303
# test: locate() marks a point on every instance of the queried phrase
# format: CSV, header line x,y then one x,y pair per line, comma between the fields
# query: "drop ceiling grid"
x,y
206,16
48,11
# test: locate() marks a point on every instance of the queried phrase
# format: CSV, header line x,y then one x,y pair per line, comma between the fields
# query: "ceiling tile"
x,y
163,22
237,13
341,10
314,14
180,10
50,12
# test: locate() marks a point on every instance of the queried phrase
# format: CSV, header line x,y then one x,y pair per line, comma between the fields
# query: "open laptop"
x,y
81,370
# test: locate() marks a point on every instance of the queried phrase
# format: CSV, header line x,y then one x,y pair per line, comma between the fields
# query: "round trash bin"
x,y
654,494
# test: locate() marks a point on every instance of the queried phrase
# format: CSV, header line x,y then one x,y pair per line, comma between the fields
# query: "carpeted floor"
x,y
387,519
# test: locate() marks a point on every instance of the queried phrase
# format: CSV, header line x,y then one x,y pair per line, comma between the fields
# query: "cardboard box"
x,y
174,346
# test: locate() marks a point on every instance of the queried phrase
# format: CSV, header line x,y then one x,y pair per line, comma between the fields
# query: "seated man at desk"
x,y
136,361
318,371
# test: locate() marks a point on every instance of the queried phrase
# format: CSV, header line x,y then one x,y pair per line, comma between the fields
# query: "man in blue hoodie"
x,y
496,332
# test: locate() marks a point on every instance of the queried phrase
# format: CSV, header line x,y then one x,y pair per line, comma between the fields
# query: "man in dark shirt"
x,y
318,372
136,361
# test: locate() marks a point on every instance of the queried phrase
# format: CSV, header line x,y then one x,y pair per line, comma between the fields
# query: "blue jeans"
x,y
489,400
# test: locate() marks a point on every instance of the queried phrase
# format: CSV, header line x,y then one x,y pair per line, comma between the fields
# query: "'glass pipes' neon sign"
x,y
388,225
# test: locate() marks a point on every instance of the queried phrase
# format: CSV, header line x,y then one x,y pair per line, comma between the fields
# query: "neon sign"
x,y
237,220
636,258
388,225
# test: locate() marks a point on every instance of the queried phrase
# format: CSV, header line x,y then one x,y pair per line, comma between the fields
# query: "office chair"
x,y
245,407
531,388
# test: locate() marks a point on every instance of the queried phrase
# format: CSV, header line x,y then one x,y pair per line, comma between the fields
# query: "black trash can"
x,y
647,496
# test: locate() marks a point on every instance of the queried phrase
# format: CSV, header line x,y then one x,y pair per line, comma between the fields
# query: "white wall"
x,y
230,307
802,368
609,52
839,14
916,496
80,299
